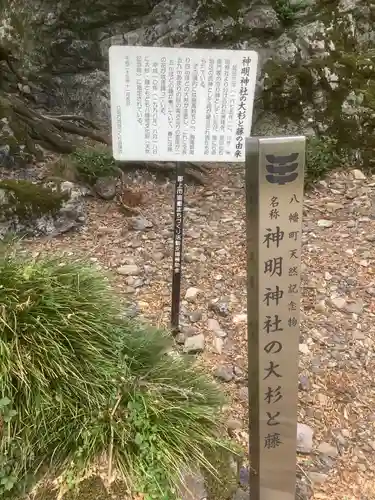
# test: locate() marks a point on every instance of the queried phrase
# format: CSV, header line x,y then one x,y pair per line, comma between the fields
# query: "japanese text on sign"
x,y
181,104
178,224
274,197
280,319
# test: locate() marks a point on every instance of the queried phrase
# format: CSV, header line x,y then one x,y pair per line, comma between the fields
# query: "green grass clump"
x,y
288,10
79,383
92,163
323,155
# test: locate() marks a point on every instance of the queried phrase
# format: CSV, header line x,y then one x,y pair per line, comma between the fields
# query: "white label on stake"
x,y
180,104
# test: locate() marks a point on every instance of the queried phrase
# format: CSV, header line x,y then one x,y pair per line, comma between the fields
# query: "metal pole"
x,y
177,245
274,198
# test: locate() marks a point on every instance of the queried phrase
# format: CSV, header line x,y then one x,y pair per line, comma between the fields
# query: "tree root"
x,y
57,133
193,171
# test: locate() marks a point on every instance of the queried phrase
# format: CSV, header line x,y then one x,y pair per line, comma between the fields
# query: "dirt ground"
x,y
338,305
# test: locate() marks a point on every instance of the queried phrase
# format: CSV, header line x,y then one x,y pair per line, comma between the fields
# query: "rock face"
x,y
33,209
316,65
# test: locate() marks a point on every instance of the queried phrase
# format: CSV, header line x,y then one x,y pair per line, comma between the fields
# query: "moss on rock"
x,y
28,201
324,78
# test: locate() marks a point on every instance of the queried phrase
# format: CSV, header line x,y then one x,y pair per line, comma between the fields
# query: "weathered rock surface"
x,y
311,78
34,209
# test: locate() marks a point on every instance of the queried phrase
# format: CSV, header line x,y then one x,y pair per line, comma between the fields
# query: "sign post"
x,y
181,105
177,245
274,197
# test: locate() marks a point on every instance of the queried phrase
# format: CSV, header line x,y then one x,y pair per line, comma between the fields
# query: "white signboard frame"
x,y
181,104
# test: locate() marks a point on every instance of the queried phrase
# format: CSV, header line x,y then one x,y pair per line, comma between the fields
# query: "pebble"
x,y
214,326
321,306
218,345
192,293
128,270
305,436
243,394
244,476
325,223
189,331
180,338
195,316
224,373
304,349
194,344
358,175
140,224
338,302
193,487
240,494
328,450
220,307
317,477
304,383
158,256
240,318
234,425
354,307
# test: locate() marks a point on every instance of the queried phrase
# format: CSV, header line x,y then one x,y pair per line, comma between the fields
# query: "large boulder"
x,y
316,56
39,210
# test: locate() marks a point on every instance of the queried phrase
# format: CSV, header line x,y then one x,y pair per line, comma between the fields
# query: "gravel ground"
x,y
338,306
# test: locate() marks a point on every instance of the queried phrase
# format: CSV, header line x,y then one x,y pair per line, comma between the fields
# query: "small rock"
x,y
321,306
140,224
339,303
358,175
354,307
243,394
322,398
304,438
224,373
194,344
192,293
351,281
234,425
244,476
213,326
334,206
218,344
241,495
129,270
189,331
240,318
304,349
341,439
238,371
304,383
180,338
220,307
105,187
195,316
328,450
158,256
325,223
317,477
370,238
193,487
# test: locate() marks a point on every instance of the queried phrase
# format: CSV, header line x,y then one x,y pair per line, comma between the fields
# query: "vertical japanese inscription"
x,y
178,223
277,188
242,109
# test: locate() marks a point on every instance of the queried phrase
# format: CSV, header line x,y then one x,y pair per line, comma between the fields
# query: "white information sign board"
x,y
181,104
